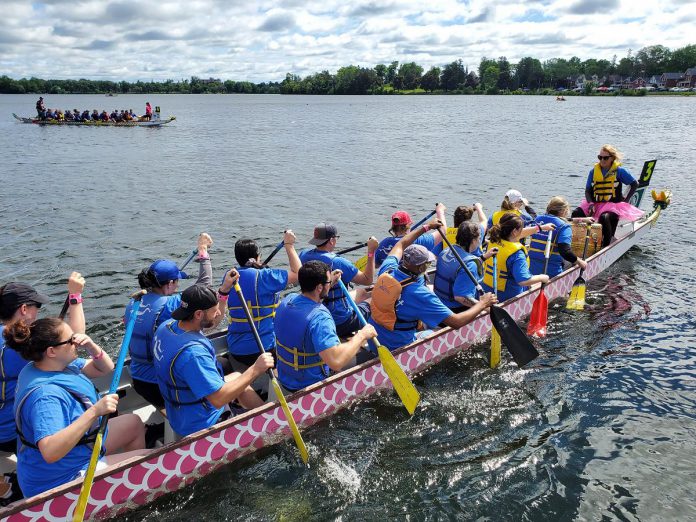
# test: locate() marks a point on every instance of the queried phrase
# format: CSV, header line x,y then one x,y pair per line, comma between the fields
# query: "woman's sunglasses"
x,y
69,341
603,157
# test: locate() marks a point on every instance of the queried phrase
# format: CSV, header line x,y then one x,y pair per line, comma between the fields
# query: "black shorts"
x,y
150,392
9,446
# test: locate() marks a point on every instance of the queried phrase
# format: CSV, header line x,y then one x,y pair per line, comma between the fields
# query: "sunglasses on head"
x,y
600,157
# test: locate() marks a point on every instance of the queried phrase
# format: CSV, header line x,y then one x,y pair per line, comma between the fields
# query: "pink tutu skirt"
x,y
624,210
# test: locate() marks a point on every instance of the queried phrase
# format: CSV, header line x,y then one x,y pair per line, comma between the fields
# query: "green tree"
x,y
453,75
529,73
652,60
489,78
411,74
431,80
381,73
391,72
505,76
681,59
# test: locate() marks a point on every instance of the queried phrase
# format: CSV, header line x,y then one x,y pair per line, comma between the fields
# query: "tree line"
x,y
492,76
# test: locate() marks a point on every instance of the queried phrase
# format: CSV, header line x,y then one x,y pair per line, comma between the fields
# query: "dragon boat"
x,y
156,121
138,481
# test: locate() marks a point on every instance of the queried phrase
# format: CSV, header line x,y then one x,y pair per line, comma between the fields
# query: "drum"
x,y
578,244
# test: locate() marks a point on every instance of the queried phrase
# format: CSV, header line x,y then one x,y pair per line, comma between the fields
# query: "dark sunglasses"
x,y
603,157
69,341
327,282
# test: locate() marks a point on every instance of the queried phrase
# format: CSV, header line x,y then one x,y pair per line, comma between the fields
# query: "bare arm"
x,y
406,241
465,317
540,278
56,446
233,388
76,314
528,231
440,215
480,213
231,277
338,356
100,364
366,277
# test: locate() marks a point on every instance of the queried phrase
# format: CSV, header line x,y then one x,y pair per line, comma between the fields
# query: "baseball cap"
x,y
401,217
196,297
514,196
322,233
417,255
166,270
16,294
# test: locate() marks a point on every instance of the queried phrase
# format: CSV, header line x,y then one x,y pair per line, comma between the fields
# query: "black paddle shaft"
x,y
517,343
272,254
250,319
351,249
64,310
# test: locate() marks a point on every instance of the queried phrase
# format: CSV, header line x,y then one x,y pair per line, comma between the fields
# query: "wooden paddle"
x,y
81,506
540,308
403,386
272,254
495,336
274,382
576,299
362,262
517,343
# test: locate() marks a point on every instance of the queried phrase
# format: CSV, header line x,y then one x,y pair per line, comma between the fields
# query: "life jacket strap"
x,y
296,355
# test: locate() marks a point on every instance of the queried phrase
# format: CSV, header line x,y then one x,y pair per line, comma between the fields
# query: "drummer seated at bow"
x,y
452,284
557,212
307,342
512,259
325,238
402,302
400,225
604,199
261,287
196,393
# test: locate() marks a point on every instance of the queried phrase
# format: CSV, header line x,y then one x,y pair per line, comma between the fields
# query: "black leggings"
x,y
608,220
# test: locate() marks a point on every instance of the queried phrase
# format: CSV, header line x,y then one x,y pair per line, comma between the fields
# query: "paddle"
x,y
362,262
189,259
81,507
403,386
495,336
519,346
540,308
272,254
274,382
351,249
64,310
576,299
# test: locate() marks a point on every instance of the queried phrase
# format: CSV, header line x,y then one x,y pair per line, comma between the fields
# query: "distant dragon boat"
x,y
156,121
140,480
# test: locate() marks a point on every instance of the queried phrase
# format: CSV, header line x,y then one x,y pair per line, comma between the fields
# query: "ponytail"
x,y
147,279
461,214
506,205
505,227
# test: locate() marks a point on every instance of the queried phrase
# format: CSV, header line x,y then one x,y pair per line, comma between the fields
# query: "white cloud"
x,y
261,41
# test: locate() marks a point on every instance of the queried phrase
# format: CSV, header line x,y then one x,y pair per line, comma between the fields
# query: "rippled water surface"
x,y
600,426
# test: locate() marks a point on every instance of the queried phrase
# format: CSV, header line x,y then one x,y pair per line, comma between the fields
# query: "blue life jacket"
x,y
384,248
168,345
262,306
11,363
336,300
140,348
298,366
537,244
447,271
75,383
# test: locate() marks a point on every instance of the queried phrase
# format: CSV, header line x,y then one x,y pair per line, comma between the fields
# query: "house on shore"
x,y
688,81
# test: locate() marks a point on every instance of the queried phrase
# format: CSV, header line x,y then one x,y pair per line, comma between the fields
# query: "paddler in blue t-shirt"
x,y
195,391
261,288
325,238
58,409
307,341
401,300
21,302
400,224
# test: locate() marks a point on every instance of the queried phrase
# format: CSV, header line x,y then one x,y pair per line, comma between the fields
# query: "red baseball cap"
x,y
401,217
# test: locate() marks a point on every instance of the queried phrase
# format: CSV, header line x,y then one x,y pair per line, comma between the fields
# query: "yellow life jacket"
x,y
500,213
505,250
604,187
385,294
452,234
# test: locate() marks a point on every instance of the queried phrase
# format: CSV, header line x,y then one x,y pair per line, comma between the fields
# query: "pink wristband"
x,y
370,255
101,354
426,228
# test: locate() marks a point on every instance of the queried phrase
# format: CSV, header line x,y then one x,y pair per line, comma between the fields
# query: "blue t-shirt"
x,y
622,176
417,302
319,335
45,412
336,302
270,281
536,266
385,246
196,368
518,268
11,363
141,370
463,286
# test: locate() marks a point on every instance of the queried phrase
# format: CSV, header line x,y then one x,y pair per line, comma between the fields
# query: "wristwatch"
x,y
74,299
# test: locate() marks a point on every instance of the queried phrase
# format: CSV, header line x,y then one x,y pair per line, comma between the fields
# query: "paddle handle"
x,y
355,308
479,289
584,249
250,319
272,254
351,249
64,310
123,351
547,251
426,218
189,259
495,274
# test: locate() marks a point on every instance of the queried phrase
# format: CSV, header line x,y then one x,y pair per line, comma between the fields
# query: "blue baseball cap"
x,y
166,270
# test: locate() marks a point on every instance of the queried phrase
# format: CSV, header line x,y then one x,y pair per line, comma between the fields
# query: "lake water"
x,y
602,426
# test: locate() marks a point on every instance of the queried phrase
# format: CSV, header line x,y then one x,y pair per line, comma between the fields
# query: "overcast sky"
x,y
263,40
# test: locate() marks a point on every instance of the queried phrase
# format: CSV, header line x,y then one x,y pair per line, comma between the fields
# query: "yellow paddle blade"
x,y
576,300
403,386
361,263
79,513
495,348
291,421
